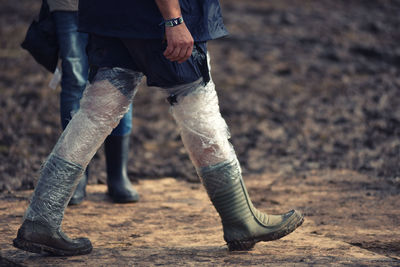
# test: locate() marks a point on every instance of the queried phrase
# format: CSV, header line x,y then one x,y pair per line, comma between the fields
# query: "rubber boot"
x,y
120,188
80,191
41,230
39,238
243,224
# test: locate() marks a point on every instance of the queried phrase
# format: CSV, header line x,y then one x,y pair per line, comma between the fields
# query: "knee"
x,y
108,98
203,130
103,108
75,71
197,109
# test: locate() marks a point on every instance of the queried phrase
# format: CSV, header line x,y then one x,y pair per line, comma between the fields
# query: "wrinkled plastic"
x,y
103,104
216,176
203,130
57,182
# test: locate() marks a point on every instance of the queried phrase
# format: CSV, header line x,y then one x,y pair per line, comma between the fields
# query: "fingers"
x,y
180,43
178,53
168,51
186,54
174,55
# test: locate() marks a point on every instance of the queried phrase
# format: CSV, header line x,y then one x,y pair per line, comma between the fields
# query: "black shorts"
x,y
146,56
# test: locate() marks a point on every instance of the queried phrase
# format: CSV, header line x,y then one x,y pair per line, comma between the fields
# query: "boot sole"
x,y
126,199
243,245
122,201
43,249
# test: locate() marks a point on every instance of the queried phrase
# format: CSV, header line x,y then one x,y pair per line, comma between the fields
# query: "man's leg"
x,y
102,106
75,68
205,136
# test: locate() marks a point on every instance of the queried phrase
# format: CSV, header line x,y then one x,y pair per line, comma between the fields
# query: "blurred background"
x,y
305,85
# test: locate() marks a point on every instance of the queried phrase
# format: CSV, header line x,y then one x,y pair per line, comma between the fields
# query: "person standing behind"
x,y
75,69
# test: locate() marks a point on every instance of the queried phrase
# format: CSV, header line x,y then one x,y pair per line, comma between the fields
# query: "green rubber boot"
x,y
243,224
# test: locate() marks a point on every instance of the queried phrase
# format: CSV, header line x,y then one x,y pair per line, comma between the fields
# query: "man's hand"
x,y
180,43
179,39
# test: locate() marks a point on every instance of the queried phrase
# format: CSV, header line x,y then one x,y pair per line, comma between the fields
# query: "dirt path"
x,y
303,85
351,220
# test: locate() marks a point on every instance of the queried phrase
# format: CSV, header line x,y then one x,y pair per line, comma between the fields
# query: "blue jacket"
x,y
141,19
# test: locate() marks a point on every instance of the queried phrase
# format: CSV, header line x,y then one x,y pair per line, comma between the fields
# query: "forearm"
x,y
169,8
179,39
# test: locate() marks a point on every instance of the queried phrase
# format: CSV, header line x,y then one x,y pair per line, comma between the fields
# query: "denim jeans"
x,y
75,67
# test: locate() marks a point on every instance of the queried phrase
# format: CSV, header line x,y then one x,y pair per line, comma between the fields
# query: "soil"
x,y
351,220
304,85
311,92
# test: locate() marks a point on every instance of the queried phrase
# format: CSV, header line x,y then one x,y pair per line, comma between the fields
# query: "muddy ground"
x,y
304,85
311,91
351,220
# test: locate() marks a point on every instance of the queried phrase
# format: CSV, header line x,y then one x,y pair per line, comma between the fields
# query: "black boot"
x,y
120,188
37,237
80,191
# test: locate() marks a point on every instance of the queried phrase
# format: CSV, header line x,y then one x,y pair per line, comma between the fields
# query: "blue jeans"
x,y
75,69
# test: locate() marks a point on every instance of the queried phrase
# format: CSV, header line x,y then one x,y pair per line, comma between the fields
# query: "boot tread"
x,y
43,249
247,244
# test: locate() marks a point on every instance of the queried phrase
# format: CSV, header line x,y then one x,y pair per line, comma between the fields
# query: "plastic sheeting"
x,y
103,104
203,130
58,179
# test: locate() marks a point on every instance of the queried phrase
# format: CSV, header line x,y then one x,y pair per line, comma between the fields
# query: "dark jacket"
x,y
141,19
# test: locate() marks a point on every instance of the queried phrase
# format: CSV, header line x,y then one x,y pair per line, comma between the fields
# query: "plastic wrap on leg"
x,y
58,179
203,130
103,104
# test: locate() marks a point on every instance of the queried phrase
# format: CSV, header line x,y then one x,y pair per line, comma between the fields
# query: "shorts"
x,y
146,56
